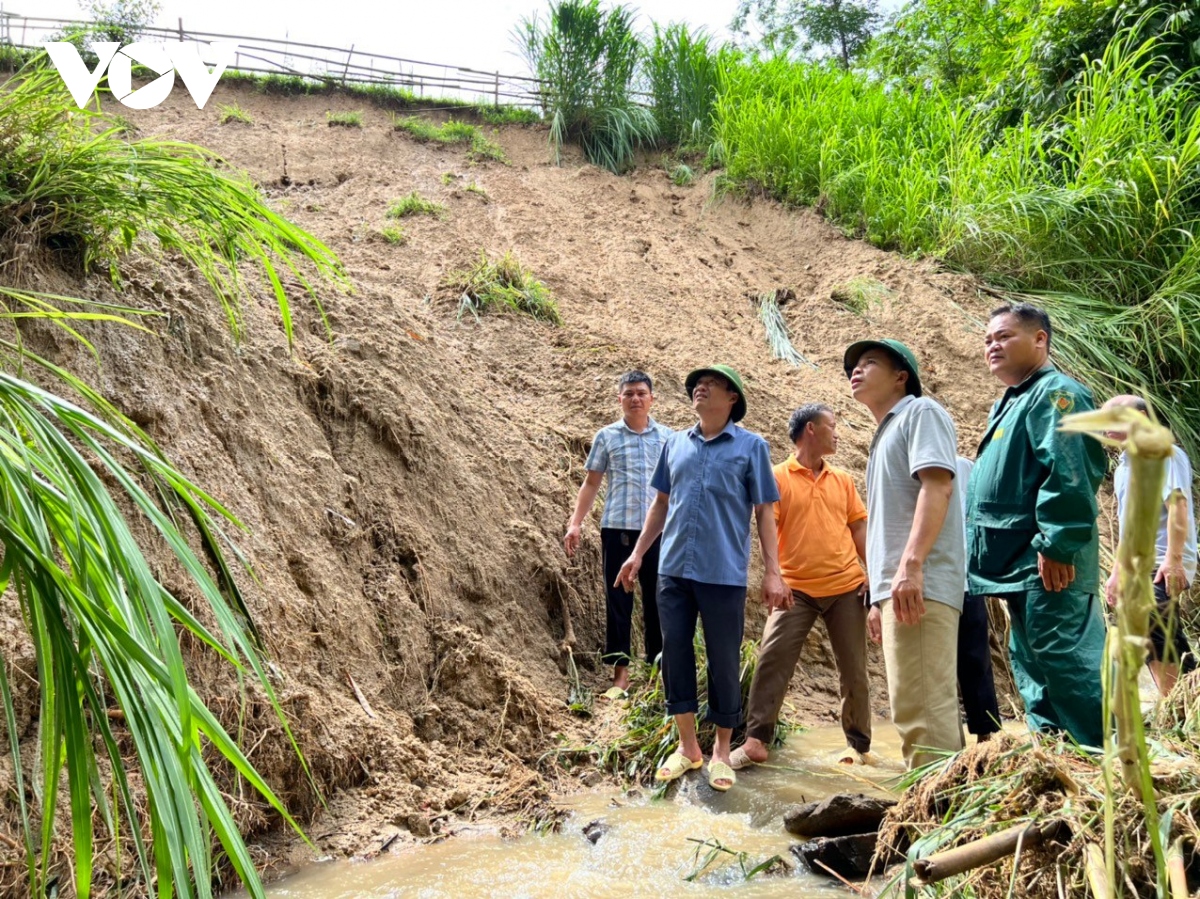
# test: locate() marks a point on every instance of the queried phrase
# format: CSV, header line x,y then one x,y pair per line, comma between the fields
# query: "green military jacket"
x,y
1033,490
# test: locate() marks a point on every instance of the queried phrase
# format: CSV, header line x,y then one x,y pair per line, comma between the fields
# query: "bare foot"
x,y
753,751
621,677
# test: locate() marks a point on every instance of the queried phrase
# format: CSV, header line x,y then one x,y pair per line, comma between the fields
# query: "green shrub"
x,y
509,115
681,175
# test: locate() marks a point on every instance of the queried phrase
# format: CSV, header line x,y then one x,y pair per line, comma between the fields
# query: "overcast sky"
x,y
472,33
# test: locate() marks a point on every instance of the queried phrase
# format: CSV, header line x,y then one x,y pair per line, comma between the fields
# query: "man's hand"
x,y
571,540
1056,576
627,576
775,593
1111,588
1174,576
875,624
908,593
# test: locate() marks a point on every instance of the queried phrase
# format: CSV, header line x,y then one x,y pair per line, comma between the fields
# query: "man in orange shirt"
x,y
822,528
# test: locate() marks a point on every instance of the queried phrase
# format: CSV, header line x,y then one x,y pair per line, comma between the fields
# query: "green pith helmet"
x,y
729,374
898,351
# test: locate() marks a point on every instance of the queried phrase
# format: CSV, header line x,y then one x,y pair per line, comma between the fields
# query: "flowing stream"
x,y
649,848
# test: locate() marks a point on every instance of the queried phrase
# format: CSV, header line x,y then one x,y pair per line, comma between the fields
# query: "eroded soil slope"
x,y
405,486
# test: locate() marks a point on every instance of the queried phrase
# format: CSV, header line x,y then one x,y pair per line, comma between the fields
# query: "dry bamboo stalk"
x,y
1177,871
982,852
1097,874
1148,445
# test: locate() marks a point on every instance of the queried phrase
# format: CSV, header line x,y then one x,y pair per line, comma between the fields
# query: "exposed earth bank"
x,y
405,486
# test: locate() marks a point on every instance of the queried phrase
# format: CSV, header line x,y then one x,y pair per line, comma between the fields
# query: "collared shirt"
x,y
1179,477
1033,490
627,459
713,486
813,516
916,434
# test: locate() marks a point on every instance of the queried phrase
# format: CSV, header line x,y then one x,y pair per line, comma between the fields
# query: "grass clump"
x,y
504,285
344,119
683,71
393,234
232,113
452,132
681,175
509,115
588,59
861,295
474,188
414,204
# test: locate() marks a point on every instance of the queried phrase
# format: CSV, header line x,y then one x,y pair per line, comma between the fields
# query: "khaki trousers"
x,y
783,638
922,672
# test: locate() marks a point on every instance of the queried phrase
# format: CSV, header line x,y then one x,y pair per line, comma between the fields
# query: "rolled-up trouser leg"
x,y
677,611
921,662
1061,641
723,615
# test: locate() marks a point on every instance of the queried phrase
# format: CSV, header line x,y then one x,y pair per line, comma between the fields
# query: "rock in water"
x,y
840,815
848,856
595,830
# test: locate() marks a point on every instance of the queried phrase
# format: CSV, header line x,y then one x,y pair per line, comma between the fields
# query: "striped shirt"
x,y
627,460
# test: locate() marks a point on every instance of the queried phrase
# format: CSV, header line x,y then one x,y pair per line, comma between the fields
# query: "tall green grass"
x,y
682,67
70,183
1091,212
588,59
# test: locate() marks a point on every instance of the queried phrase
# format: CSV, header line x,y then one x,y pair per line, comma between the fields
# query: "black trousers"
x,y
616,545
722,612
975,681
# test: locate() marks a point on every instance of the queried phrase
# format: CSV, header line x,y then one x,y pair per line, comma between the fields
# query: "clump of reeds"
x,y
778,335
683,70
587,59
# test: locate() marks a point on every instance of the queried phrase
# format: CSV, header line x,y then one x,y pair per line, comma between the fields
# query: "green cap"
x,y
903,355
730,375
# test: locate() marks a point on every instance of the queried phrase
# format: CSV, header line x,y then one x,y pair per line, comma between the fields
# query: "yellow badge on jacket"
x,y
1063,401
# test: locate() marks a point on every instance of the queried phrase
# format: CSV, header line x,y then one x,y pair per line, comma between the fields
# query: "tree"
x,y
841,27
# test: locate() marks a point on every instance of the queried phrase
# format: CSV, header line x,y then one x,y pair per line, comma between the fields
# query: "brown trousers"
x,y
783,638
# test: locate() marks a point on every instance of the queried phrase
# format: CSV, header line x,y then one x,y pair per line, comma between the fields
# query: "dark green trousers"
x,y
1057,649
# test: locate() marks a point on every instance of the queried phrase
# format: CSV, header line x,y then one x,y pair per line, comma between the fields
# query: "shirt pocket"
x,y
727,478
1003,532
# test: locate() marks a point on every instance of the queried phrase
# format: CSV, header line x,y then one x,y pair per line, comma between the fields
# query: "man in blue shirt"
x,y
709,480
625,452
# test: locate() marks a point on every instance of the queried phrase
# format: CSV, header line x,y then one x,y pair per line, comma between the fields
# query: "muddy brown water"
x,y
650,848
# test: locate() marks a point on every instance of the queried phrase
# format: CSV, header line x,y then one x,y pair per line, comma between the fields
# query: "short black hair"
x,y
635,377
1028,315
802,416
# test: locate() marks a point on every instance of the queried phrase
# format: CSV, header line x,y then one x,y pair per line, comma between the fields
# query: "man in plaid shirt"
x,y
627,452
